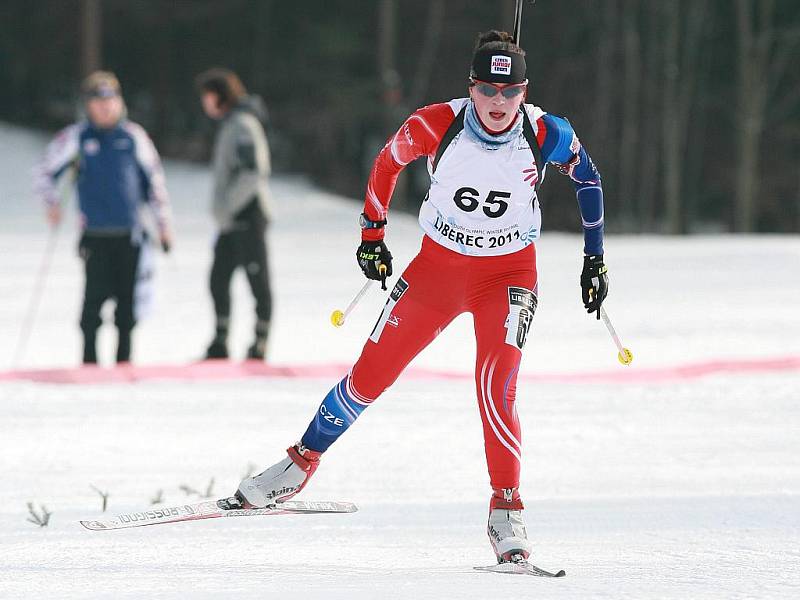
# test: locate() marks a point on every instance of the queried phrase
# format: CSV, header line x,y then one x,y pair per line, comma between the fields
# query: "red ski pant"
x,y
437,286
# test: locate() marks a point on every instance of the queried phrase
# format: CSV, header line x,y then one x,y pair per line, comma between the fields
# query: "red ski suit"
x,y
440,284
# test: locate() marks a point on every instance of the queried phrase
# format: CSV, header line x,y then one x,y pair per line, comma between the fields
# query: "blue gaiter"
x,y
337,412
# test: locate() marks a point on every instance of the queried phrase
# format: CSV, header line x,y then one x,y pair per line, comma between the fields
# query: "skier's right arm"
x,y
419,135
60,159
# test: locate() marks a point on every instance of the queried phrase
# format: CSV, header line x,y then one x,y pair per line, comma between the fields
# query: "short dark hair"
x,y
224,83
497,40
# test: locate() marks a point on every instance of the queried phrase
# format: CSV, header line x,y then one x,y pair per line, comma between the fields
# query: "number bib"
x,y
483,202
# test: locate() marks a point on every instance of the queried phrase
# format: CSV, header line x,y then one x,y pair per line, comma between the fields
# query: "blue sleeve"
x,y
562,148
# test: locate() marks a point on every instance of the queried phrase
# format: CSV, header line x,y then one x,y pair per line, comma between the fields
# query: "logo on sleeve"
x,y
501,65
574,145
407,133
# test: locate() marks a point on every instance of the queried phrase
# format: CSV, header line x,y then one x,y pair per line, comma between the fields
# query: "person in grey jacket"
x,y
240,204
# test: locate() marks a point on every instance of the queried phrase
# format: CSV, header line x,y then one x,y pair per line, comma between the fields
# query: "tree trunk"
x,y
507,13
390,79
91,36
670,121
682,46
260,10
391,87
755,45
427,55
649,156
631,101
606,82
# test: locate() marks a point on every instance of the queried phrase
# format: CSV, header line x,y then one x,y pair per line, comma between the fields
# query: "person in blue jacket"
x,y
116,170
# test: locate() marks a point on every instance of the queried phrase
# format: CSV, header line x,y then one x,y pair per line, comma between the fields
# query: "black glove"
x,y
594,283
371,255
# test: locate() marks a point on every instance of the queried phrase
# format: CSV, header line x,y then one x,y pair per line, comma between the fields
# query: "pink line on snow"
x,y
226,370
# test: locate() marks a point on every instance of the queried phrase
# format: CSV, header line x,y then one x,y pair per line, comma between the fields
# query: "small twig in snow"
x,y
42,519
103,495
188,490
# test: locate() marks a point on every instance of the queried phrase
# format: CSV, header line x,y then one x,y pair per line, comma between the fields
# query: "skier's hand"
x,y
594,283
165,238
371,256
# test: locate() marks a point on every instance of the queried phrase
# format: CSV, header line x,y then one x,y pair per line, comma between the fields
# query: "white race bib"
x,y
483,202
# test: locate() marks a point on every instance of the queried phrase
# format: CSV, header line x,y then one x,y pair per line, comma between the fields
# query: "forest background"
x,y
690,108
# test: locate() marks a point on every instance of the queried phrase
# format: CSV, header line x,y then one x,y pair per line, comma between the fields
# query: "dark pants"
x,y
110,261
245,246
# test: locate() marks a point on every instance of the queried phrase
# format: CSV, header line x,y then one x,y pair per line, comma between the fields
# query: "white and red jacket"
x,y
483,202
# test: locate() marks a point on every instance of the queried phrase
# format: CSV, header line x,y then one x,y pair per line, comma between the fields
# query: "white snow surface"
x,y
686,489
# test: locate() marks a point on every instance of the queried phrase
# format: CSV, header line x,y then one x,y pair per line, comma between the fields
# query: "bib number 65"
x,y
494,206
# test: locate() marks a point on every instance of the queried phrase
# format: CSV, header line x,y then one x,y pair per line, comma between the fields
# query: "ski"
x,y
213,509
519,566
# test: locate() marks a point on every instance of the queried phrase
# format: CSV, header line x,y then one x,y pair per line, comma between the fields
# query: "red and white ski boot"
x,y
506,527
281,481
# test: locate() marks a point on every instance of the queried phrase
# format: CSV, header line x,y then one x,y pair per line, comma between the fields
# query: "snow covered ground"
x,y
646,489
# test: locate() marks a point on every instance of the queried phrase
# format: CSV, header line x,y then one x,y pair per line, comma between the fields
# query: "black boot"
x,y
258,350
218,349
90,347
124,346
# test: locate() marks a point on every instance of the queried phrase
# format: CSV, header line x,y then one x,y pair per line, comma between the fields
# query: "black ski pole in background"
x,y
518,19
36,296
66,189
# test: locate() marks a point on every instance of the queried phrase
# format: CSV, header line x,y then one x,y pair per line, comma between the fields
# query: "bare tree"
x,y
683,34
630,108
649,155
390,78
507,10
391,86
606,71
764,59
261,11
91,36
427,55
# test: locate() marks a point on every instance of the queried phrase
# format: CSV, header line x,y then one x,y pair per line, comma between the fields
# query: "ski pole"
x,y
518,19
338,317
36,296
624,355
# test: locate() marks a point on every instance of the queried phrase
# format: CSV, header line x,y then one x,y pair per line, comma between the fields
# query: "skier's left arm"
x,y
562,148
153,183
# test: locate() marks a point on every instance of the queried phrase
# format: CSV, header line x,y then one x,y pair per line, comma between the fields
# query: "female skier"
x,y
487,156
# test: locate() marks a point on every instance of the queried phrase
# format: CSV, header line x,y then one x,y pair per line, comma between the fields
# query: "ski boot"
x,y
506,528
281,481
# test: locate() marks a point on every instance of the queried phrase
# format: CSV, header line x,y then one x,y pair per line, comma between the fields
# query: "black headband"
x,y
498,66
